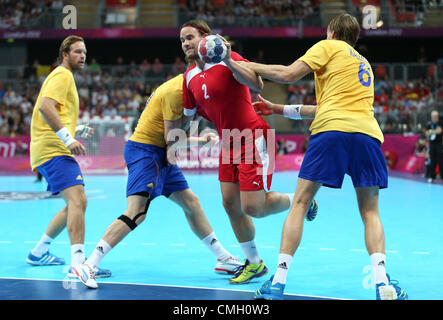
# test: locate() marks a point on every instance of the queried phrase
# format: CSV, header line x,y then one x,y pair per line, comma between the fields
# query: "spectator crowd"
x,y
263,13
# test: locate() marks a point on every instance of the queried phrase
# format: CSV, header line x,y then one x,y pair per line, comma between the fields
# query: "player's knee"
x,y
133,219
229,204
191,204
80,202
252,210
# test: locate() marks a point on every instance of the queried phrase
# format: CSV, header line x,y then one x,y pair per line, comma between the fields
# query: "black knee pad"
x,y
131,223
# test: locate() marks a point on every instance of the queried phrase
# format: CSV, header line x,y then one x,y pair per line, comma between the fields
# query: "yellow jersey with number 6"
x,y
344,88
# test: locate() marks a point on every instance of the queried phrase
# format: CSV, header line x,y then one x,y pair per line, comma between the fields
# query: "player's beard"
x,y
74,65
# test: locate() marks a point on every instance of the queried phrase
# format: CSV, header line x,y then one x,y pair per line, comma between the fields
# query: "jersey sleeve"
x,y
57,88
317,56
189,107
173,106
236,57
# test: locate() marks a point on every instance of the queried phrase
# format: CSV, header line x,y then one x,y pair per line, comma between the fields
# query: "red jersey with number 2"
x,y
216,95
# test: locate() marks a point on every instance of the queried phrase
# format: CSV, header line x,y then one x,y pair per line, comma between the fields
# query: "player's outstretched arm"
x,y
280,73
297,112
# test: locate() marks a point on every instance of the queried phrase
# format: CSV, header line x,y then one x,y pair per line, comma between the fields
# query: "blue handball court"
x,y
163,260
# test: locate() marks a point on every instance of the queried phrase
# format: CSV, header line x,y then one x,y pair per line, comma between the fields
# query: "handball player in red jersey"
x,y
221,94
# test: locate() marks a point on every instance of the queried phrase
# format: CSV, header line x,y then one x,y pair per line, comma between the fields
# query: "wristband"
x,y
65,136
292,111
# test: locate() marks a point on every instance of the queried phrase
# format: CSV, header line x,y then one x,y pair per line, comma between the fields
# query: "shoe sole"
x,y
74,276
33,263
264,271
223,271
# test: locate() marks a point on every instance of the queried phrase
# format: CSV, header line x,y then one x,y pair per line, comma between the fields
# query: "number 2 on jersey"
x,y
361,72
205,89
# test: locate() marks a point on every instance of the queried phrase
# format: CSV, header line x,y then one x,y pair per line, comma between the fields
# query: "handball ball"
x,y
212,49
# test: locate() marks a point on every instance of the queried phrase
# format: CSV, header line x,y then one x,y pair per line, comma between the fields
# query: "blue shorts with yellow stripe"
x,y
148,171
332,154
61,172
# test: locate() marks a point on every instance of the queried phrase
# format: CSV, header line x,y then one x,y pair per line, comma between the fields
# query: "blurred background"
x,y
133,47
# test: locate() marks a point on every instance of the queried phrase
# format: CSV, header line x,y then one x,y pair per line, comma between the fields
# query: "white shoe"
x,y
228,266
86,275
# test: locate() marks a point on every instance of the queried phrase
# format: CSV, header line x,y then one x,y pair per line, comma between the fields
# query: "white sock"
x,y
284,262
99,252
378,261
77,254
42,246
215,247
251,252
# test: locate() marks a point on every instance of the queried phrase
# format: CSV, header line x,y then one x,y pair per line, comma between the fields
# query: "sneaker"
x,y
47,259
86,275
312,211
229,265
248,272
99,273
390,291
269,291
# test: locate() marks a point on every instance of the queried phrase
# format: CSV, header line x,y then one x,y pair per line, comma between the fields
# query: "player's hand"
x,y
263,107
210,137
84,131
76,148
228,48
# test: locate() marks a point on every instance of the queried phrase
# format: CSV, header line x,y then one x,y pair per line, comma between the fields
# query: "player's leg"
x,y
244,231
57,225
188,201
368,171
135,214
325,163
63,175
76,203
290,238
145,177
386,289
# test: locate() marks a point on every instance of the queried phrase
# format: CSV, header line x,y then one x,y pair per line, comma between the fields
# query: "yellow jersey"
x,y
344,88
165,103
59,86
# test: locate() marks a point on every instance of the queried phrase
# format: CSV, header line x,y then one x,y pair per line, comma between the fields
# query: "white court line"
x,y
267,247
420,252
148,244
234,246
358,250
27,241
328,249
391,251
177,244
173,286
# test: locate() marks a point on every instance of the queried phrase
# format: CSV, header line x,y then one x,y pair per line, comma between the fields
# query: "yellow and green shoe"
x,y
249,272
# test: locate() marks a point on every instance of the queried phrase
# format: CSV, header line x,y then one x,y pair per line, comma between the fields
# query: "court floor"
x,y
163,259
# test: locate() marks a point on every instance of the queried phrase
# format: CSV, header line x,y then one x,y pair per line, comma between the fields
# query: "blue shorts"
x,y
149,173
61,172
331,154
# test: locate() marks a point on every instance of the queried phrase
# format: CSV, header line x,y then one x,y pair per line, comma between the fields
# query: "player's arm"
x,y
49,111
240,72
280,73
296,112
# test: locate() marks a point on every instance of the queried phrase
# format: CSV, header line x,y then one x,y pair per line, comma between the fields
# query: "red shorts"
x,y
252,175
